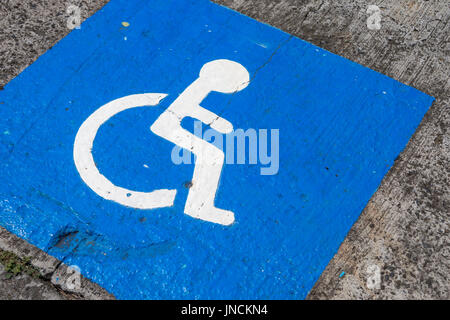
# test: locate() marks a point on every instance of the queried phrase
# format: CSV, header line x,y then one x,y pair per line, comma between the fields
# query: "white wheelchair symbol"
x,y
223,76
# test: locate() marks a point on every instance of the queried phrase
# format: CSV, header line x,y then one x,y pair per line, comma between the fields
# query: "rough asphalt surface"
x,y
404,230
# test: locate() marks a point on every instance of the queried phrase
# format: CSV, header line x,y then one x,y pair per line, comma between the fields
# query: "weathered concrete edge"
x,y
52,269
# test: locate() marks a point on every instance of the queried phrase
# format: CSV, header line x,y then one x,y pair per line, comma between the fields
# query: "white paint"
x,y
82,155
374,277
73,282
223,76
74,19
374,20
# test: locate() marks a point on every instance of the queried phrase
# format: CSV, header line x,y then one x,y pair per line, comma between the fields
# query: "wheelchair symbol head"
x,y
224,76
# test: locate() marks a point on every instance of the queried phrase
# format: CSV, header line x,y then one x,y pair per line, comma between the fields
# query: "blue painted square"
x,y
340,125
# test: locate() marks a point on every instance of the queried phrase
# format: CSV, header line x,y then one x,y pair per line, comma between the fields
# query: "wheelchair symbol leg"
x,y
200,201
205,182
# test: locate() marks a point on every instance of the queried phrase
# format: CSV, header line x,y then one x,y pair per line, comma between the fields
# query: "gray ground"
x,y
404,230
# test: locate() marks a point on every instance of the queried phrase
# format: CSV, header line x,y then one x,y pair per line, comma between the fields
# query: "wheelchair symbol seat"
x,y
222,76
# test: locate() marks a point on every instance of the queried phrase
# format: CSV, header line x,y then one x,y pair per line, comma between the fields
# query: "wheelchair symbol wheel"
x,y
222,76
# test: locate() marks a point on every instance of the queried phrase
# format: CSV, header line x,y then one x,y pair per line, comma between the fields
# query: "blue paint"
x,y
341,127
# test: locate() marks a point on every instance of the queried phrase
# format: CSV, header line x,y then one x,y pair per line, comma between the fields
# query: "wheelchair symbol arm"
x,y
213,120
84,161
